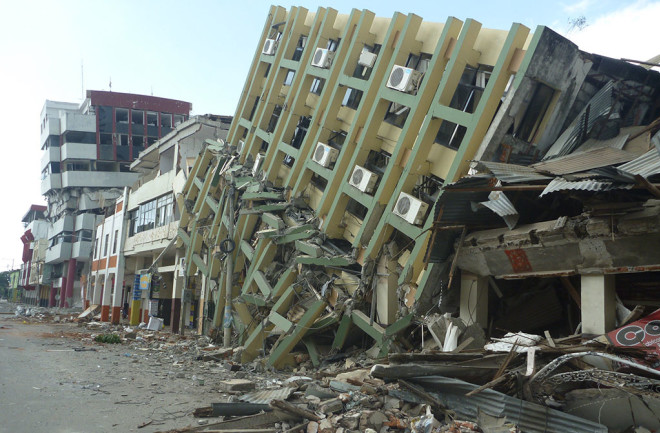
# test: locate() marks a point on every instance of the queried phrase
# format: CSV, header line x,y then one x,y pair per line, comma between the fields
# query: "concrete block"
x,y
236,385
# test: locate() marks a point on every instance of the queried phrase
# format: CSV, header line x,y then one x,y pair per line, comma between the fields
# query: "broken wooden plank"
x,y
463,345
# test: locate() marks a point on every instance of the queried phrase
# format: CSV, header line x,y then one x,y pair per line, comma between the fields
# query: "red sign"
x,y
642,333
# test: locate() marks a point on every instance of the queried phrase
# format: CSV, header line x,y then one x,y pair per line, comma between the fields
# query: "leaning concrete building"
x,y
317,214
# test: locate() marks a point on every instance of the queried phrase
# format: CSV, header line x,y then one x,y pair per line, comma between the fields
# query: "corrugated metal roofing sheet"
x,y
501,205
561,184
583,161
616,143
530,417
512,173
598,106
266,396
646,165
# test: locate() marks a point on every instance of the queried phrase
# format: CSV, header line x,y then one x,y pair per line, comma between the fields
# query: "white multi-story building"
x,y
88,149
136,236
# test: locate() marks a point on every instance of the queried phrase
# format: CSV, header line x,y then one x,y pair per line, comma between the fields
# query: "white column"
x,y
96,297
474,299
598,303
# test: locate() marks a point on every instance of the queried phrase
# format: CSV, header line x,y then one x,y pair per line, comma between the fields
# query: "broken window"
x,y
272,123
138,141
166,120
469,90
137,117
319,182
352,98
105,166
152,118
300,47
300,131
337,139
104,115
151,140
317,86
77,166
288,160
83,236
79,137
357,209
178,119
289,77
121,115
254,108
52,141
418,62
396,114
377,161
333,44
538,105
105,139
428,188
450,134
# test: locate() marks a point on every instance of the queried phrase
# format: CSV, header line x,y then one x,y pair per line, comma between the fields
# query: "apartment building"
x,y
88,149
136,238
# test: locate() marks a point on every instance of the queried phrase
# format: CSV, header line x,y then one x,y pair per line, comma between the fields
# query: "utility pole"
x,y
229,262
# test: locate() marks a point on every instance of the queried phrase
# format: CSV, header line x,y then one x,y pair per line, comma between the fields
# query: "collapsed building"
x,y
339,200
383,175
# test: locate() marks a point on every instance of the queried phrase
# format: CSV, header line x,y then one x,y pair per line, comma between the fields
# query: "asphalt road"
x,y
54,380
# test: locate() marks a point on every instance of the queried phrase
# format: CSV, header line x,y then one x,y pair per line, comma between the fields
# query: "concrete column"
x,y
136,309
105,302
70,279
51,298
177,286
98,288
598,303
474,299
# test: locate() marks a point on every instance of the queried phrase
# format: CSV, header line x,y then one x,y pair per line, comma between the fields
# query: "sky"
x,y
200,51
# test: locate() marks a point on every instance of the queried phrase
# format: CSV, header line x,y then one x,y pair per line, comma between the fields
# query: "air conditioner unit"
x,y
257,163
404,79
323,58
324,155
269,47
410,209
363,179
241,145
367,59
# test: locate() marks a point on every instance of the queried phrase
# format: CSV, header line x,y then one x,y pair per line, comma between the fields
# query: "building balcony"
x,y
59,253
52,127
98,179
52,154
78,122
82,251
64,224
78,151
52,181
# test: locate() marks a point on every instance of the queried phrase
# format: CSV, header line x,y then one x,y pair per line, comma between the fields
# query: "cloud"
x,y
628,32
578,7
